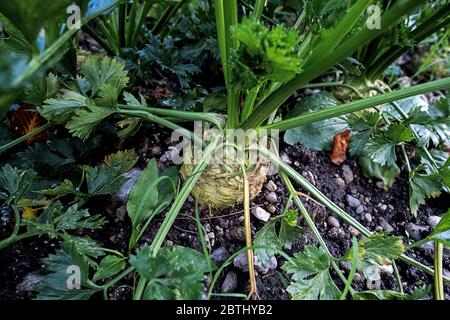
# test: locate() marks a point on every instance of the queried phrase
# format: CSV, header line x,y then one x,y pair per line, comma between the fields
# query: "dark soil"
x,y
226,228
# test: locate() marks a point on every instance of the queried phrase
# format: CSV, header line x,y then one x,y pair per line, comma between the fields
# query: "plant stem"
x,y
322,64
25,137
438,283
248,239
176,207
359,105
258,10
336,209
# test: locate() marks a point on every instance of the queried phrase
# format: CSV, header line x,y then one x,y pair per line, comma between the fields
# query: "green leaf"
x,y
73,219
442,231
421,187
418,294
14,183
318,135
380,248
121,161
105,72
109,266
174,273
311,279
85,120
64,188
29,16
372,169
102,180
268,236
60,110
85,246
61,265
143,197
381,148
264,54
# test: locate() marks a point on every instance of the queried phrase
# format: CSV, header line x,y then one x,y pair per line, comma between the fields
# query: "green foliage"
x,y
422,186
29,16
66,261
277,233
442,231
318,135
311,279
172,61
421,293
151,194
174,273
108,267
381,148
14,183
57,221
103,80
264,54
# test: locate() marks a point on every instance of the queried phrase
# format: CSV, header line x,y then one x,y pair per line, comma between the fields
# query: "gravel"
x,y
352,201
271,186
347,173
230,282
433,221
261,214
333,222
220,254
271,197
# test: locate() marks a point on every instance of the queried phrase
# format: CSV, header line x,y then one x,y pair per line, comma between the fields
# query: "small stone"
x,y
383,207
168,243
347,174
333,222
285,158
353,231
271,208
241,262
271,197
359,209
271,186
386,269
340,182
272,264
380,185
219,231
433,220
352,201
368,217
261,214
386,226
230,282
124,191
414,231
220,255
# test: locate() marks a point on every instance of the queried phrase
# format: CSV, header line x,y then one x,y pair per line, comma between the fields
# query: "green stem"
x,y
214,118
336,209
25,137
258,10
438,283
359,105
322,64
176,207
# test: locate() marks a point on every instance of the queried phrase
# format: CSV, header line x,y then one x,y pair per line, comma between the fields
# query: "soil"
x,y
385,207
